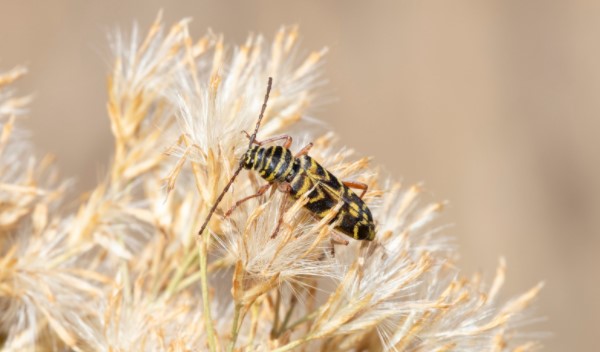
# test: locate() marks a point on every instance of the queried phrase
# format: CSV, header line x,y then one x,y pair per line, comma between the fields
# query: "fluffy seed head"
x,y
127,271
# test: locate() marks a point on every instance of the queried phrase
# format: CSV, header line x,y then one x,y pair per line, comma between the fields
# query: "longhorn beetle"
x,y
298,174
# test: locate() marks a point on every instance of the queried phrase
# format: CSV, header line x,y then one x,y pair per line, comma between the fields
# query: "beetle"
x,y
299,174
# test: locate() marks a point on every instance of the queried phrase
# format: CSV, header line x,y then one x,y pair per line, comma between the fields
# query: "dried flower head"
x,y
128,271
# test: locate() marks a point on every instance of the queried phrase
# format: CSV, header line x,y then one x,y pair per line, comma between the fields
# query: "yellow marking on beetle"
x,y
354,206
324,213
306,184
290,166
268,162
353,212
320,195
313,167
303,162
326,175
356,232
271,176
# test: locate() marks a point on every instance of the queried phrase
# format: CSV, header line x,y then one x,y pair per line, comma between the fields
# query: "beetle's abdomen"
x,y
325,192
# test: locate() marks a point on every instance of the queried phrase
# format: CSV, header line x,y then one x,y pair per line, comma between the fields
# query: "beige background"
x,y
493,104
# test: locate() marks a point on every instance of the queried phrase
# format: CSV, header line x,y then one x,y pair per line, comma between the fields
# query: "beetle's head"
x,y
249,158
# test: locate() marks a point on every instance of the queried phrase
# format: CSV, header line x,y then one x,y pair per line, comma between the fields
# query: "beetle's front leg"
x,y
260,192
287,144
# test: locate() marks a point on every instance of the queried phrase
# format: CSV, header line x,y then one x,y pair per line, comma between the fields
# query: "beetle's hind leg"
x,y
357,185
336,238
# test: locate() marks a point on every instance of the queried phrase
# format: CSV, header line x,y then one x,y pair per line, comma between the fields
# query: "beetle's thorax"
x,y
273,163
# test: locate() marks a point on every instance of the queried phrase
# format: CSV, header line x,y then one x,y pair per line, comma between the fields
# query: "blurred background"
x,y
492,104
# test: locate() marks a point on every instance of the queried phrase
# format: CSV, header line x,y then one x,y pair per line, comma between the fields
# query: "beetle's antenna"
x,y
237,171
262,113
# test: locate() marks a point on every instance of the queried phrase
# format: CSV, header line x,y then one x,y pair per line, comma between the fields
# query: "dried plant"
x,y
128,271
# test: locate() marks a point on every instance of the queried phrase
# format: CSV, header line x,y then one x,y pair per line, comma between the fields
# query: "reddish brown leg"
x,y
285,188
304,150
357,185
260,192
281,214
287,144
337,239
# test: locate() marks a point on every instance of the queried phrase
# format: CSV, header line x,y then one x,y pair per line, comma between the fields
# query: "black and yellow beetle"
x,y
298,174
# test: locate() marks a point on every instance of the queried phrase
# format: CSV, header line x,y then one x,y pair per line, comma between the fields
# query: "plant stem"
x,y
190,280
292,344
275,328
300,321
287,317
204,283
204,237
253,326
173,285
235,326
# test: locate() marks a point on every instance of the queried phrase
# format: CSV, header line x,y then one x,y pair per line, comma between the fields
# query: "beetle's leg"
x,y
357,185
304,150
281,214
285,188
260,192
287,144
337,239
